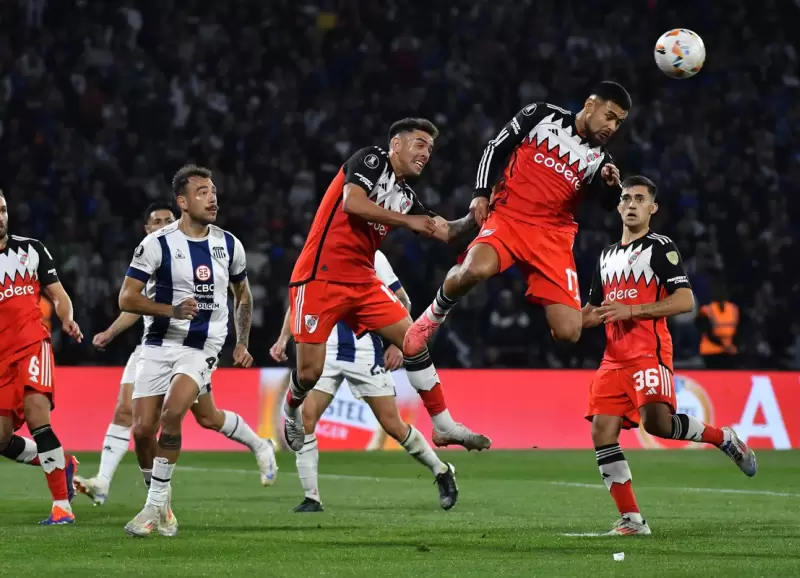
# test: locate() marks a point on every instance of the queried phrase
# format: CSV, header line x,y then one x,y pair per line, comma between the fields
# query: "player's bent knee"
x,y
144,431
657,420
171,419
308,375
475,271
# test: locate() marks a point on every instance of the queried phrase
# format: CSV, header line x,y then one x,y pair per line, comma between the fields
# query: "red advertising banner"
x,y
518,409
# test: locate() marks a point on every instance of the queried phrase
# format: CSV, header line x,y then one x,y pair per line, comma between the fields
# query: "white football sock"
x,y
418,448
237,429
147,474
28,453
159,485
115,446
307,460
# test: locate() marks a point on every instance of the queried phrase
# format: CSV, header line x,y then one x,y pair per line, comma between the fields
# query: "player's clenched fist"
x,y
242,357
71,328
186,309
479,207
422,224
278,350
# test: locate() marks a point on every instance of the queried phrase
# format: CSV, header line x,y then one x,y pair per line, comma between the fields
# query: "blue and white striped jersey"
x,y
176,267
342,344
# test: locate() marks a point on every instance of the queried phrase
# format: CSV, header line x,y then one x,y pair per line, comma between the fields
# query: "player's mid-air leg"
x,y
234,427
423,377
659,420
115,446
481,263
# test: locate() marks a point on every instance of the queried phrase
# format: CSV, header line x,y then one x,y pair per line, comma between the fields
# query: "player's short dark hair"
x,y
186,172
641,181
158,206
614,92
409,124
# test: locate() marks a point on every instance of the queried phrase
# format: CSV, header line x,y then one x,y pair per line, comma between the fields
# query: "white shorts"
x,y
129,373
360,378
158,365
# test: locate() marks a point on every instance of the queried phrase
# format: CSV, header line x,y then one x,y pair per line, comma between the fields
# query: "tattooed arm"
x,y
242,319
454,232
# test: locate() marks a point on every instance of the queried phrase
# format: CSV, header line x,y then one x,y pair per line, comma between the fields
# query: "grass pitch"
x,y
382,518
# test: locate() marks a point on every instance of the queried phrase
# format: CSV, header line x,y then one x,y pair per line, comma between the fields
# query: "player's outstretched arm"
x,y
278,349
123,322
356,203
63,308
590,316
242,319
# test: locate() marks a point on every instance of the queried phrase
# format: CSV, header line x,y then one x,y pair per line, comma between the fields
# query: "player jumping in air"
x,y
186,268
361,361
27,380
552,159
334,278
115,444
638,283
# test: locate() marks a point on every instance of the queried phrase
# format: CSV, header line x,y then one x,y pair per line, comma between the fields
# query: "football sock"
x,y
441,306
159,485
237,429
296,394
307,460
147,474
686,427
617,476
115,446
422,376
22,450
418,448
53,462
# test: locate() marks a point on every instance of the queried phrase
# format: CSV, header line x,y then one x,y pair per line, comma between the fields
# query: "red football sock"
x,y
624,497
713,435
53,461
433,400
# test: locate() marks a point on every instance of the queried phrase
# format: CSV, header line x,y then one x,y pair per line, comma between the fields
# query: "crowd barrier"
x,y
518,409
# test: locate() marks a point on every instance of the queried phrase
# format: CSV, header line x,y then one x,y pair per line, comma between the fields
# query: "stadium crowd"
x,y
100,102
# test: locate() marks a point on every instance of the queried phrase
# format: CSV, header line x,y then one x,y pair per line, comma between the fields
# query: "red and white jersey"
x,y
341,247
25,267
548,166
644,271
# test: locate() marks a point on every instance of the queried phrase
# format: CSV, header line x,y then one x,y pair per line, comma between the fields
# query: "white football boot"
x,y
266,463
739,452
96,488
627,527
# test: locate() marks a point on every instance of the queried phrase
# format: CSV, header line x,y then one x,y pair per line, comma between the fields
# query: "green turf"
x,y
382,519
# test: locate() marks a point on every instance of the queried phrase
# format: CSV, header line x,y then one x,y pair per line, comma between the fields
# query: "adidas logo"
x,y
50,461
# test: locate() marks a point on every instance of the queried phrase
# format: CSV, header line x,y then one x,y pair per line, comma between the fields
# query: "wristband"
x,y
483,192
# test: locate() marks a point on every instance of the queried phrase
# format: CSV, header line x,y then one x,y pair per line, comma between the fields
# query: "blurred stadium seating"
x,y
101,101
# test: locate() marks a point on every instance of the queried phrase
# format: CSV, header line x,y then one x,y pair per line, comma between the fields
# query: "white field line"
x,y
538,482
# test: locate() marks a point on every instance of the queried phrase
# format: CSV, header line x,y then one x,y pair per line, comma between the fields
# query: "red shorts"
x,y
543,255
28,370
622,392
317,306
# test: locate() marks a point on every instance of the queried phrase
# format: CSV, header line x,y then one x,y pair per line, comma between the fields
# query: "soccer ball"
x,y
680,53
